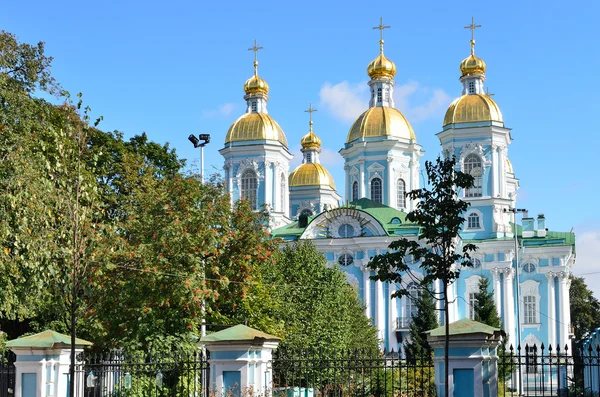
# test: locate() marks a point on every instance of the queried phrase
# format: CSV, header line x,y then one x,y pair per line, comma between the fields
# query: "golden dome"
x,y
255,126
381,68
472,108
311,174
380,121
310,141
472,65
256,85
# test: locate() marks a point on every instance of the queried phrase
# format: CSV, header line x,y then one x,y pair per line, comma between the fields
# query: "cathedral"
x,y
382,162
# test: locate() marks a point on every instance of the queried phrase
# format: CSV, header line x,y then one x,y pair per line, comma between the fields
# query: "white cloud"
x,y
222,110
345,101
587,264
420,103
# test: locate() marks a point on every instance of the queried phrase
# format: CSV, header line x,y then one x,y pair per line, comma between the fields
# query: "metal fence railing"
x,y
337,373
143,374
533,370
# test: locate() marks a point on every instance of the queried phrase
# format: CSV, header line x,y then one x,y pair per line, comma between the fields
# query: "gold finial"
x,y
381,27
472,26
256,48
310,112
487,91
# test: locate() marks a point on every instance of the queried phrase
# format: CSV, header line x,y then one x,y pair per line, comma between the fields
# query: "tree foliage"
x,y
485,306
416,346
585,309
317,306
439,215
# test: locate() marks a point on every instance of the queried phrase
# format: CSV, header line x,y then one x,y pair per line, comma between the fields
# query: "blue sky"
x,y
178,67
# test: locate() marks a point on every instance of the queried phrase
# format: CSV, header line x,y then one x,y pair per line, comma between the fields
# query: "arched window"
x,y
355,191
472,166
250,187
472,305
473,221
401,193
376,190
410,308
282,193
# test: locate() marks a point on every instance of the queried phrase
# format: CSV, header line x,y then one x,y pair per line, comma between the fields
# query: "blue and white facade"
x,y
382,162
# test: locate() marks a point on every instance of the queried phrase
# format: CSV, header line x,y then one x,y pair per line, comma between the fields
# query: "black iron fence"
x,y
331,373
532,370
7,374
144,374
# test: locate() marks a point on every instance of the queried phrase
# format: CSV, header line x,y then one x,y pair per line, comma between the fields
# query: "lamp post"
x,y
196,141
516,211
199,142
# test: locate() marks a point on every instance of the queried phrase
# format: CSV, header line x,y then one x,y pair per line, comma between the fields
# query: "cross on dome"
x,y
381,27
310,111
255,48
472,26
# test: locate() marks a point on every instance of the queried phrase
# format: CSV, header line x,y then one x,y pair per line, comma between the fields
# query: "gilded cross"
x,y
256,48
381,27
487,91
310,111
472,26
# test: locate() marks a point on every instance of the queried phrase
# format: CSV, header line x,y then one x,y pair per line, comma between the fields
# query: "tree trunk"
x,y
446,338
72,365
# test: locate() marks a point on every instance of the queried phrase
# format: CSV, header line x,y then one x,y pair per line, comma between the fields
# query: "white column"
x,y
494,171
268,185
502,180
367,292
391,185
361,182
497,291
551,310
509,306
348,182
229,172
393,313
563,308
380,309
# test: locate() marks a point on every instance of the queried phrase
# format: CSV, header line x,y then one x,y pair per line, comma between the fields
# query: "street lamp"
x,y
516,211
199,142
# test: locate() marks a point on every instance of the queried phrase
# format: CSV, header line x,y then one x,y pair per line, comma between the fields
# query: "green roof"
x,y
382,213
464,326
238,333
46,339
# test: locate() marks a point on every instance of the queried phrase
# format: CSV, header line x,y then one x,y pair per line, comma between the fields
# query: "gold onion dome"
x,y
310,141
472,65
473,108
381,67
255,126
255,84
311,174
381,121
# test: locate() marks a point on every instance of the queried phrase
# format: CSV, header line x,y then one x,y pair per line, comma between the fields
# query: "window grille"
x,y
376,190
472,166
250,187
401,194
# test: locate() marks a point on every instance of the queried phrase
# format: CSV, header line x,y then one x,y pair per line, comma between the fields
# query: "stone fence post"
x,y
472,362
42,364
240,361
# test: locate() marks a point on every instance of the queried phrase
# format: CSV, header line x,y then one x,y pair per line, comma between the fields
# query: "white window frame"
x,y
401,193
474,211
468,167
530,290
247,191
377,177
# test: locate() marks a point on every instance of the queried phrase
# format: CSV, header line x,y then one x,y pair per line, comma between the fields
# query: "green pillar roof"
x,y
464,326
238,333
45,340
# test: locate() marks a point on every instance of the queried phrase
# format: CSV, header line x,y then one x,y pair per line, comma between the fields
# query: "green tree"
x,y
439,215
485,307
319,309
585,309
416,346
